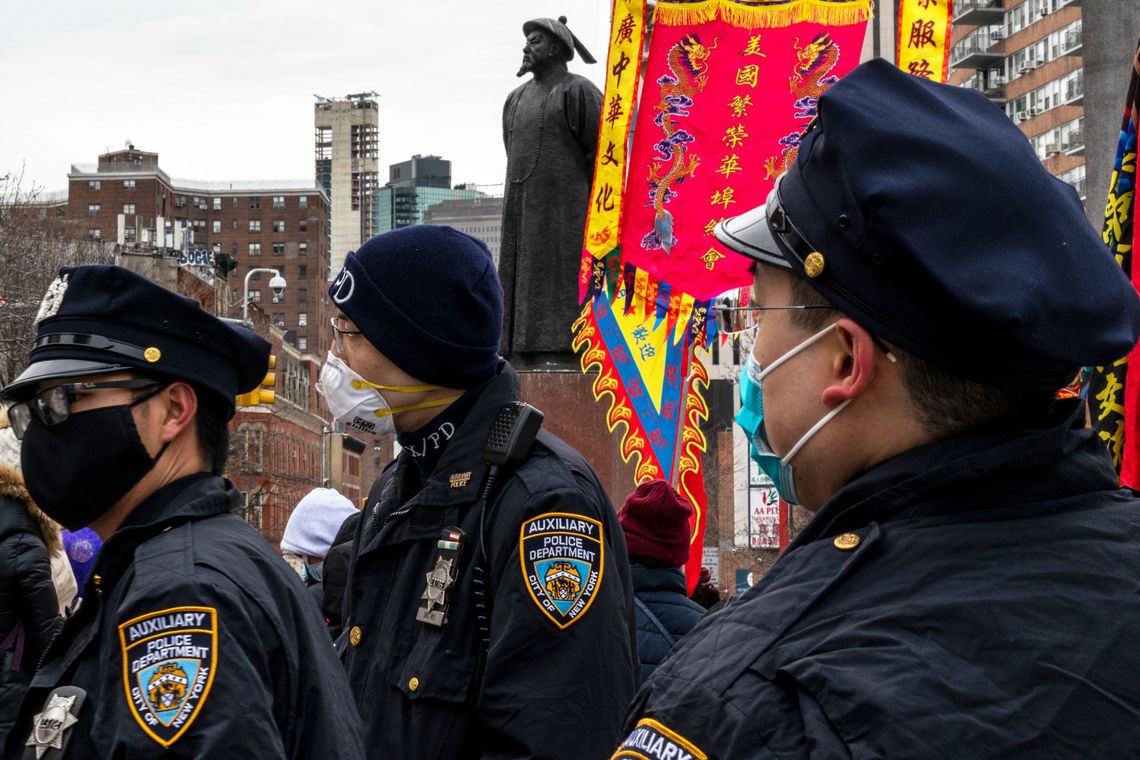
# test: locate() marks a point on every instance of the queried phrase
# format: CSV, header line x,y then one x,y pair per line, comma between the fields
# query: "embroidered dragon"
x,y
810,78
688,74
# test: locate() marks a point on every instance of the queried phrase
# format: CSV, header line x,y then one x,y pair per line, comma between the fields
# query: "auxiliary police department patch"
x,y
651,740
169,659
561,557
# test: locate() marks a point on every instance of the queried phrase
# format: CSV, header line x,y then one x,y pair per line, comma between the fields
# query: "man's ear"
x,y
854,364
179,411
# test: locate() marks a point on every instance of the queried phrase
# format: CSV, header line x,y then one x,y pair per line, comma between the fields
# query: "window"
x,y
302,295
255,225
199,203
128,184
302,319
217,204
217,226
93,208
279,319
94,184
303,202
180,201
129,234
95,234
255,249
303,343
279,225
255,296
128,208
303,272
279,201
278,249
302,249
255,202
304,225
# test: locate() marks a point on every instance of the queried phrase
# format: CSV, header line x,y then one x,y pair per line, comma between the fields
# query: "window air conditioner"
x,y
1021,116
1051,149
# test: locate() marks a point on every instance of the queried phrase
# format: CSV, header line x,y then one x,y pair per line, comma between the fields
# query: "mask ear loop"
x,y
814,429
795,350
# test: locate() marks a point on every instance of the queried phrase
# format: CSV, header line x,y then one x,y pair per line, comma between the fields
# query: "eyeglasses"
x,y
53,405
734,319
339,333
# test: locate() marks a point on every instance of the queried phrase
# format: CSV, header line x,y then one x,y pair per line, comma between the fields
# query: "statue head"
x,y
549,44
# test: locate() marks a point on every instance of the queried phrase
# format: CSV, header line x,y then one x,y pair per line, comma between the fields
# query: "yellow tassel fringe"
x,y
763,15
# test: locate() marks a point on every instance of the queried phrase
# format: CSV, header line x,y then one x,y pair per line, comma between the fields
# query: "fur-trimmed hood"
x,y
12,485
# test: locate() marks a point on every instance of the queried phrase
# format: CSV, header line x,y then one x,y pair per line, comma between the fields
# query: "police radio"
x,y
508,443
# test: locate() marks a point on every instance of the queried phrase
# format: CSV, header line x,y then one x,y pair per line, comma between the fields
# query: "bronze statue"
x,y
550,129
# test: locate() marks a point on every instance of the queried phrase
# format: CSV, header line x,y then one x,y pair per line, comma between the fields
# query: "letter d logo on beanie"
x,y
343,286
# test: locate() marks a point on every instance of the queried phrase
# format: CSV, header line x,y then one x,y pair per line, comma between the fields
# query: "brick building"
x,y
272,224
279,453
1026,57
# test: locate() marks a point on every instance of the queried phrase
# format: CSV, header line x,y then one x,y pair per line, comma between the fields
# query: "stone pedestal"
x,y
566,398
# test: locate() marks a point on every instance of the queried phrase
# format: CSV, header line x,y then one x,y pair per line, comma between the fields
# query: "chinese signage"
x,y
763,510
924,38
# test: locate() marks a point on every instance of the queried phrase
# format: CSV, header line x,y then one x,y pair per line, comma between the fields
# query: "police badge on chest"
x,y
433,610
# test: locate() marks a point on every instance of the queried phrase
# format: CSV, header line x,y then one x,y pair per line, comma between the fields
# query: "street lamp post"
x,y
276,284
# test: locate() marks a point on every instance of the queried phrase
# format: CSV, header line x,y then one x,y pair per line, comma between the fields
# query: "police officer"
x,y
194,639
968,582
488,611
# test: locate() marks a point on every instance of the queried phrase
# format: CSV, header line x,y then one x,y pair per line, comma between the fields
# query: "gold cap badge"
x,y
813,264
152,354
846,541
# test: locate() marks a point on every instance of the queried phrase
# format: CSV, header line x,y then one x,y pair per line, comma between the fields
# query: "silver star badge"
x,y
48,727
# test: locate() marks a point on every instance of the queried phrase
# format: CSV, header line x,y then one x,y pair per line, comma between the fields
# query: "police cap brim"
x,y
749,235
23,387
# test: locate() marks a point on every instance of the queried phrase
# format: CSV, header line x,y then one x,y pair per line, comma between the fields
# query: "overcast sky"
x,y
223,89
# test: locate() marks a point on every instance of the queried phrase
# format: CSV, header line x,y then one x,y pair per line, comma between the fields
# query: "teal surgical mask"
x,y
751,420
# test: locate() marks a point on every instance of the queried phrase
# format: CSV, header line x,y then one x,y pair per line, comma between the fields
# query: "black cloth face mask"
x,y
77,470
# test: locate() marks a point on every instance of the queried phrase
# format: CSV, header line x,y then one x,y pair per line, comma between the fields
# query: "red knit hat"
x,y
656,523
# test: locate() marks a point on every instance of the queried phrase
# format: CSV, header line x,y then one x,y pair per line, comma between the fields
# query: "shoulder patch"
x,y
169,661
562,559
651,740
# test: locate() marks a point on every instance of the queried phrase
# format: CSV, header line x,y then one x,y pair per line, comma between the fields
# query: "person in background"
x,y
706,593
309,534
334,576
655,519
29,605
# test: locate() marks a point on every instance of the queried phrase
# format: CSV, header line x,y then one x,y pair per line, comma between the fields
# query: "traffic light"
x,y
266,392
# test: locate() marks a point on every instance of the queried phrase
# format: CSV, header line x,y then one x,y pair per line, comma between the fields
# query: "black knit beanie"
x,y
429,299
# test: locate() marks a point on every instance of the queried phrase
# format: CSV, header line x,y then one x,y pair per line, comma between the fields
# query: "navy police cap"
x,y
922,212
101,319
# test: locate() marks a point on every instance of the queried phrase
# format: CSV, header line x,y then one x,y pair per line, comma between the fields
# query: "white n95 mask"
x,y
358,405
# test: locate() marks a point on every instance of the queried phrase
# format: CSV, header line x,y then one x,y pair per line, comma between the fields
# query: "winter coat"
x,y
974,597
559,663
29,607
194,640
663,604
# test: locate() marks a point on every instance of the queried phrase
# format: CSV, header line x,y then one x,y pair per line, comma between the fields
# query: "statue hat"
x,y
562,33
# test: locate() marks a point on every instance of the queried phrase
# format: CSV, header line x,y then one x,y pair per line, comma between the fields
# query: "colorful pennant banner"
x,y
1114,391
728,87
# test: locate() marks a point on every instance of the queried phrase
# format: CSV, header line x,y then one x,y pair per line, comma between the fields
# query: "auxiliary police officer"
x,y
489,608
969,584
193,639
